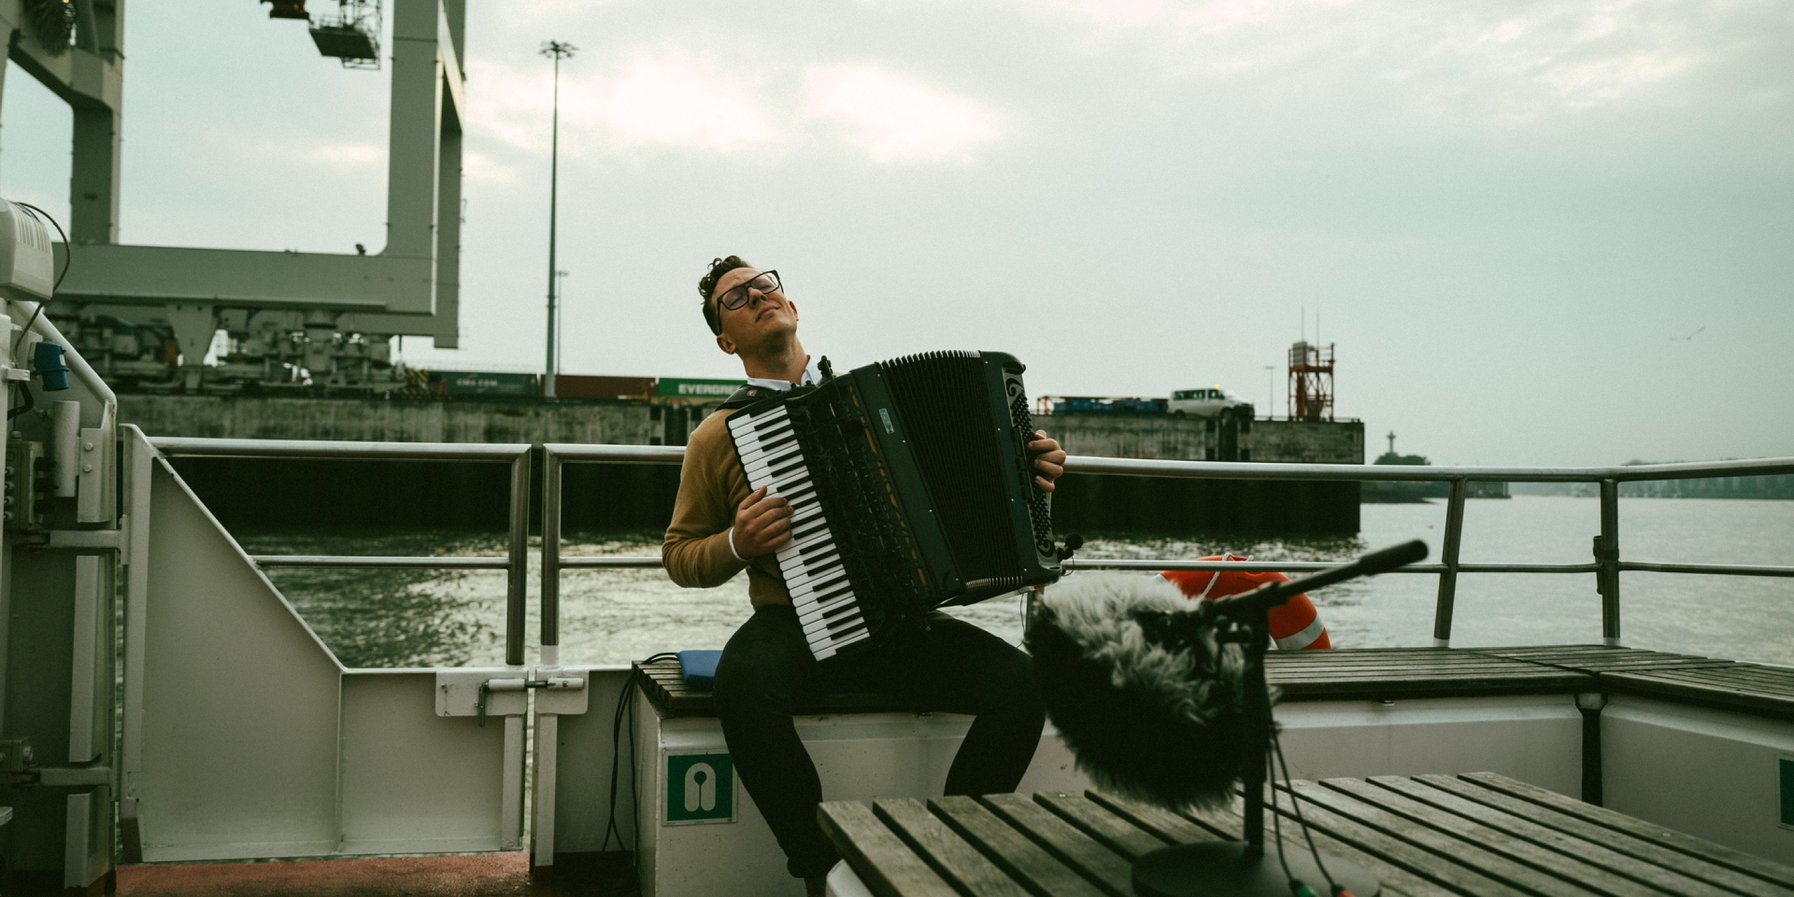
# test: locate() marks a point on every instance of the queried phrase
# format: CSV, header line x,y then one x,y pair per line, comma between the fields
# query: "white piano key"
x,y
825,586
763,457
837,625
807,571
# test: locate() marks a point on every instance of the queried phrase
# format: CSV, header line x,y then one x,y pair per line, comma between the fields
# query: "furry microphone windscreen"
x,y
1147,717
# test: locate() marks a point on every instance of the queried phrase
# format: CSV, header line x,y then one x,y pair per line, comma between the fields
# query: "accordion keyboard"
x,y
810,562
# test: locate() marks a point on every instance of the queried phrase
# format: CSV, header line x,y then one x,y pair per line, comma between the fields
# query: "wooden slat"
x,y
945,851
1515,877
1104,867
1588,831
1024,860
1298,838
1489,834
1390,673
1171,826
1777,681
883,862
1443,869
1758,690
1114,832
1631,872
1596,658
1158,826
1699,849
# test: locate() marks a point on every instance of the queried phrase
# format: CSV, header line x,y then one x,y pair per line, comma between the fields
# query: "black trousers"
x,y
944,665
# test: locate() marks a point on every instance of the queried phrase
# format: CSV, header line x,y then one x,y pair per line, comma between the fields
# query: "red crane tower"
x,y
1311,381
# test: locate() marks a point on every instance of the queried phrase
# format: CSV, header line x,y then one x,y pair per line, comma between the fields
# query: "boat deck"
x,y
479,875
1355,674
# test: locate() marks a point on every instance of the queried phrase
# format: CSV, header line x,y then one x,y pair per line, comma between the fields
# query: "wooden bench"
x,y
1473,834
1380,674
1701,681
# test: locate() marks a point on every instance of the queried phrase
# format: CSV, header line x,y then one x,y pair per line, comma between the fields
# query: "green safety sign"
x,y
1787,783
700,788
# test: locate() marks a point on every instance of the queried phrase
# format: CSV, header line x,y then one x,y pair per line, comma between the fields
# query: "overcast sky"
x,y
1539,233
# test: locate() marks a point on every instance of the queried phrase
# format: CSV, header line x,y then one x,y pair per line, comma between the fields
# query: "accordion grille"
x,y
957,444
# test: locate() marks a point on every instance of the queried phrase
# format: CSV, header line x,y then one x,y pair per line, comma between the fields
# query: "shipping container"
x,y
695,390
1103,405
592,386
484,384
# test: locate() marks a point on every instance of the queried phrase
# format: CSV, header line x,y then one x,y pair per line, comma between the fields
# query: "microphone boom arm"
x,y
1250,612
1272,594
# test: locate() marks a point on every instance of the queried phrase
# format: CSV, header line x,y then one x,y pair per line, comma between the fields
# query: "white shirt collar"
x,y
811,377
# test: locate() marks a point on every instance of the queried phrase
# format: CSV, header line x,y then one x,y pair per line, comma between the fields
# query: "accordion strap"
x,y
748,394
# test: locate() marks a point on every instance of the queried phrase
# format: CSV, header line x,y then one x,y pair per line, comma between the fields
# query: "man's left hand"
x,y
1049,460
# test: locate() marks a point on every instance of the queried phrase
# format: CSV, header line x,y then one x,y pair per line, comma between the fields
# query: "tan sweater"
x,y
696,547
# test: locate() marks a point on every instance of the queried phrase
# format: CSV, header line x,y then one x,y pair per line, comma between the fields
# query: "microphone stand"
x,y
1239,867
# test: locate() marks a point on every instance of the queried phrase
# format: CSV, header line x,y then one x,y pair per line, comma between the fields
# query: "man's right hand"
x,y
762,524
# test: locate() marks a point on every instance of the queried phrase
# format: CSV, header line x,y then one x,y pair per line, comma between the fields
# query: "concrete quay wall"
x,y
247,494
1207,439
379,420
300,493
1094,505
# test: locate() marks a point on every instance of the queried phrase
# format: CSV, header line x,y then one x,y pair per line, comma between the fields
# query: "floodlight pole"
x,y
556,50
560,290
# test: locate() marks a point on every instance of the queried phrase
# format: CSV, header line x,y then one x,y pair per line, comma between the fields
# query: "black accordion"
x,y
911,487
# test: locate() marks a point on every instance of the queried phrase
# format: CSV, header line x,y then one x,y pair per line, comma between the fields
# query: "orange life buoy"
x,y
1295,625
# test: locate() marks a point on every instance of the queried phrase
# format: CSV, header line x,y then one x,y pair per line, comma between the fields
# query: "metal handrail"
x,y
515,562
1241,470
554,456
1606,566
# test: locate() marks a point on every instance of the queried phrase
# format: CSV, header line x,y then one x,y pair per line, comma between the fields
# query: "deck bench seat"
x,y
1387,674
664,686
1754,689
1384,674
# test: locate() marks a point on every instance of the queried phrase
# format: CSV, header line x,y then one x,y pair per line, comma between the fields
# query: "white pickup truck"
x,y
1210,402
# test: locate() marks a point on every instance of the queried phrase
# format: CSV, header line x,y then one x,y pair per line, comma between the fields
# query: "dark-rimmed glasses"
x,y
737,296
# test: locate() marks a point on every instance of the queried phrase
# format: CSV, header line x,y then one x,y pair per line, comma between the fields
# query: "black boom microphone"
x,y
1146,714
1166,701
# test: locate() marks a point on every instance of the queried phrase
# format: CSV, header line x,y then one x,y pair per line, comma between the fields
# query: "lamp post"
x,y
556,50
560,292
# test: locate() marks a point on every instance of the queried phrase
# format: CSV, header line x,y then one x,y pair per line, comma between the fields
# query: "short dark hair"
x,y
718,267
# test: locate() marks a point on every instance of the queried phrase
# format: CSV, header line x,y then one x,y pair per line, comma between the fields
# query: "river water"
x,y
408,618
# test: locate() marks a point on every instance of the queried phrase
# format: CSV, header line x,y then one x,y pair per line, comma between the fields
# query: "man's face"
x,y
765,314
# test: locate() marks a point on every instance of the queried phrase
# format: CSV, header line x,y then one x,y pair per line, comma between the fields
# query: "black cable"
x,y
635,794
68,255
1276,818
24,390
635,782
1296,805
624,703
616,726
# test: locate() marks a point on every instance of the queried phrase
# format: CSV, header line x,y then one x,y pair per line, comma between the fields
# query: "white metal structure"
x,y
411,286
